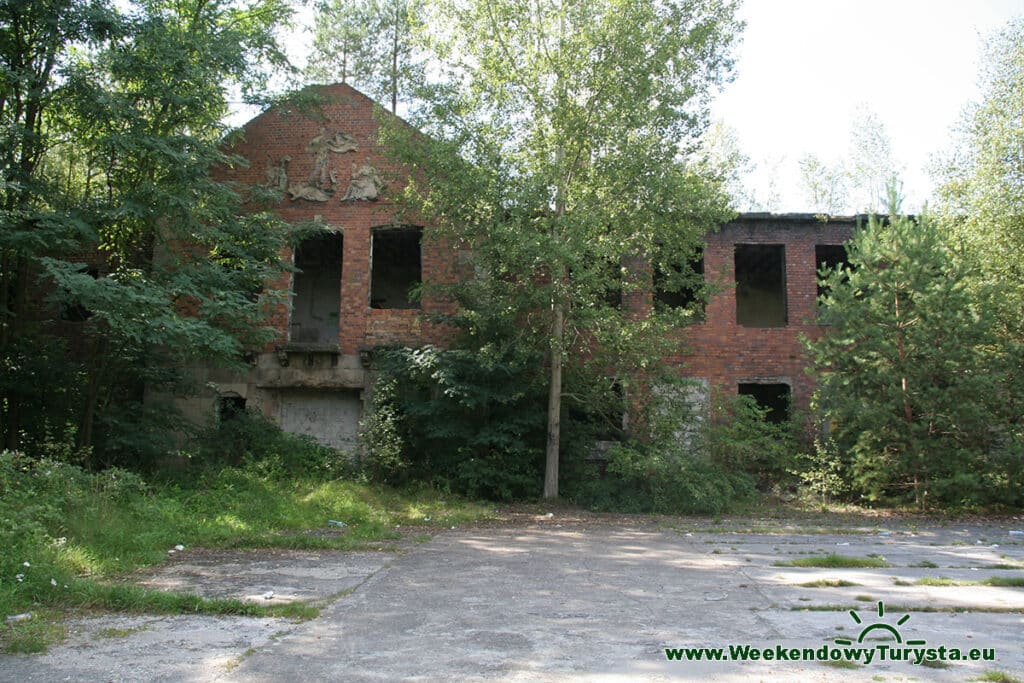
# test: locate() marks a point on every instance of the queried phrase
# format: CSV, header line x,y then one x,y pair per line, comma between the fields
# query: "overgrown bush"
x,y
457,419
247,438
741,438
682,462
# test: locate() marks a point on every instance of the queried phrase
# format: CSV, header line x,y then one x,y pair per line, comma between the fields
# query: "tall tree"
x,y
36,40
369,44
872,164
826,185
341,35
982,193
721,155
982,199
555,148
152,260
910,376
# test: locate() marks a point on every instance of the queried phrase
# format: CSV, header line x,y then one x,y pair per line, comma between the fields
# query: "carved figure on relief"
x,y
321,148
366,184
314,194
277,174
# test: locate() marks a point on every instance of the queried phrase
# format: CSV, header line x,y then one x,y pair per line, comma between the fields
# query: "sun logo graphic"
x,y
879,626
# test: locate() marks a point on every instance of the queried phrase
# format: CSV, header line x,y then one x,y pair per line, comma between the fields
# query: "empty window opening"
x,y
760,285
680,287
75,311
827,257
611,285
396,268
316,300
230,407
775,398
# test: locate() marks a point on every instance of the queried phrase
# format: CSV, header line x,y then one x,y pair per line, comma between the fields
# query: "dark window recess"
x,y
681,288
760,285
828,256
611,295
76,312
316,301
230,407
396,267
775,398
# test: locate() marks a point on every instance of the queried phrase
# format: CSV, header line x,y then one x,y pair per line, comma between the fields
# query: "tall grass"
x,y
68,535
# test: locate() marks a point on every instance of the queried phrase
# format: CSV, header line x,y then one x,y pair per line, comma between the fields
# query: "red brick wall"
x,y
717,350
280,132
727,354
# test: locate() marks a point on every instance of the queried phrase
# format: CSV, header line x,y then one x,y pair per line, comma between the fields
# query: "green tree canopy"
x,y
116,218
912,380
555,147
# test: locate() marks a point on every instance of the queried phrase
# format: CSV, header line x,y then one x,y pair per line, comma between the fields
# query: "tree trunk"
x,y
394,62
554,404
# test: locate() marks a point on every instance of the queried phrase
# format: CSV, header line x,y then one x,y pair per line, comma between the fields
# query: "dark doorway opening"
x,y
316,290
230,407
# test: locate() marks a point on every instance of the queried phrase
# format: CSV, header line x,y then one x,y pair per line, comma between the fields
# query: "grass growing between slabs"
x,y
834,561
69,537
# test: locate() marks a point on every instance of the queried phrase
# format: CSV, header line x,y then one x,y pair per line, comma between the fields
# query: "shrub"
x,y
741,438
457,419
250,439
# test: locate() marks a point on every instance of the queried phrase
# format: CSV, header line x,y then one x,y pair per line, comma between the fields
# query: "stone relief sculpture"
x,y
323,180
314,194
366,184
277,174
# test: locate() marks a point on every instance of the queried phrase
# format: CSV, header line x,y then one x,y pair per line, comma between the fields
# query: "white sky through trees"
x,y
804,66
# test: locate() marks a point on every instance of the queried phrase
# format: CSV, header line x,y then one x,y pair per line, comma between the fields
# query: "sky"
x,y
804,66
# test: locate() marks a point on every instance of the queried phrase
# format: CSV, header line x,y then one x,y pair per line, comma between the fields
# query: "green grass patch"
x,y
936,664
996,676
834,561
924,564
828,583
942,581
69,538
119,632
1005,581
999,581
841,664
33,636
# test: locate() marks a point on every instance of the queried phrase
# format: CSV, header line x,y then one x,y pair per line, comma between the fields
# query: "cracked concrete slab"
x,y
551,602
266,576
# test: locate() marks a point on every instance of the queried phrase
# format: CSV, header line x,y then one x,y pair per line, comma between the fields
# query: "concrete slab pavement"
x,y
547,601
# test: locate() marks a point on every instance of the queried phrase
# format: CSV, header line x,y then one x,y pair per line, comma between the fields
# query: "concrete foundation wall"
x,y
330,417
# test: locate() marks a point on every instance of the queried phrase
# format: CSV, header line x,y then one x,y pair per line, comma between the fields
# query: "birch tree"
x,y
556,141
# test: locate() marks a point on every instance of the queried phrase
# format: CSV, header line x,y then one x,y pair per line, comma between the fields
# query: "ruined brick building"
x,y
349,292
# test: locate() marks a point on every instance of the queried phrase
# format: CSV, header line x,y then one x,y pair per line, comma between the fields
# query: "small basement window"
x,y
828,256
230,407
761,285
316,300
681,288
396,267
775,398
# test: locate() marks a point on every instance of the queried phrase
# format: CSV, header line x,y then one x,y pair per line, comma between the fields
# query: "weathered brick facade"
x,y
727,354
317,388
